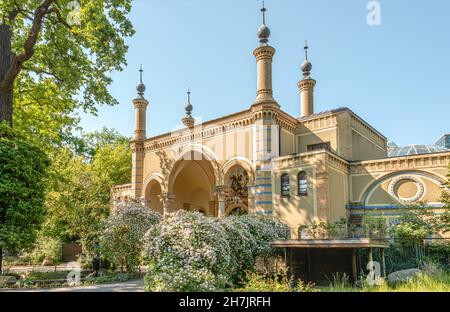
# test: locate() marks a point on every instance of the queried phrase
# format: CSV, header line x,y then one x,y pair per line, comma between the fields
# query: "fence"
x,y
401,257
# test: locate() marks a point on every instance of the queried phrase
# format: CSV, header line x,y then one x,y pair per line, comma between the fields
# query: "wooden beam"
x,y
354,269
290,261
383,262
308,260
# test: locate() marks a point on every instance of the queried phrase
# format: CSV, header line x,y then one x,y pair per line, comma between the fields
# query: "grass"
x,y
436,281
431,279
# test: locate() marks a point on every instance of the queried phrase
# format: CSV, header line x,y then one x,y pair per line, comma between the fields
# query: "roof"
x,y
441,137
415,149
339,110
351,243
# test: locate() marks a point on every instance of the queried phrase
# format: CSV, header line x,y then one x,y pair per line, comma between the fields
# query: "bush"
x,y
188,252
324,230
242,244
191,252
278,282
46,249
265,230
122,240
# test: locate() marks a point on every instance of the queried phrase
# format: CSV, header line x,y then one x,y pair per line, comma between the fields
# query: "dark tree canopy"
x,y
23,168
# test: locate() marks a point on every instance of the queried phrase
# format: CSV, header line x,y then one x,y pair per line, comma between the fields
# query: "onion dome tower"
x,y
306,87
188,120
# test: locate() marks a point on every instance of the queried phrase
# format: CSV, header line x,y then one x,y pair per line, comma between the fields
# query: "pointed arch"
x,y
244,163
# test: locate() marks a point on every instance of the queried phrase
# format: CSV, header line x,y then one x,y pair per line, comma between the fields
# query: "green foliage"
x,y
326,230
420,221
187,252
265,230
122,239
339,282
436,281
45,248
374,226
243,246
192,252
276,282
78,196
67,70
23,169
257,282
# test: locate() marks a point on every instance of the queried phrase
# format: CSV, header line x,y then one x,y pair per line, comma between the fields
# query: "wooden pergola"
x,y
311,259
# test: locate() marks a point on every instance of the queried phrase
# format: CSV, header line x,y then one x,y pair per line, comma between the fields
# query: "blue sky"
x,y
395,76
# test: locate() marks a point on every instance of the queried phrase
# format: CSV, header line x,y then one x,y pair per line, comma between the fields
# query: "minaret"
x,y
264,54
265,127
306,87
140,108
137,143
188,120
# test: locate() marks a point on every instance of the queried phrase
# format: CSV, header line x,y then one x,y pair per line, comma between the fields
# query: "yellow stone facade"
x,y
318,166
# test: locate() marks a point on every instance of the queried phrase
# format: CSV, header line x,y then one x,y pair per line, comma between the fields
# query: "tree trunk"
x,y
6,90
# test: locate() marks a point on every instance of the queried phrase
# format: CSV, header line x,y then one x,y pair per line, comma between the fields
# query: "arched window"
x,y
285,185
302,184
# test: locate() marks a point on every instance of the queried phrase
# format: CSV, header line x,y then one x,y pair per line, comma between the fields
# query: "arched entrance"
x,y
192,183
152,196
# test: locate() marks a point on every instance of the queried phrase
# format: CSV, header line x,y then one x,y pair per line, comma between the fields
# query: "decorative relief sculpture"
x,y
236,187
395,183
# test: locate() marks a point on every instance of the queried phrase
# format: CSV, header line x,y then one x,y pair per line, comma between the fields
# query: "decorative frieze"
x,y
424,161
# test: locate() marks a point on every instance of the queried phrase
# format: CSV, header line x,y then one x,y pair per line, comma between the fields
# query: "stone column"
x,y
264,92
137,168
137,147
306,87
140,110
167,200
219,191
251,198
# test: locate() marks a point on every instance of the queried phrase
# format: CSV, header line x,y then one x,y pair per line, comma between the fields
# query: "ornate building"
x,y
318,166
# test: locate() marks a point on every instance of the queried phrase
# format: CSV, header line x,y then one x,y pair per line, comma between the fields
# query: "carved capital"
x,y
306,84
140,103
264,52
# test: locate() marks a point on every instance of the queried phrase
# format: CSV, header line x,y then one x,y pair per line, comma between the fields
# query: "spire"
x,y
188,120
306,49
140,87
263,10
306,66
306,87
263,30
188,108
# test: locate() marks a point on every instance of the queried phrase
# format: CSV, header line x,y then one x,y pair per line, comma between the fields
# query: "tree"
x,y
23,169
79,189
122,241
55,56
90,143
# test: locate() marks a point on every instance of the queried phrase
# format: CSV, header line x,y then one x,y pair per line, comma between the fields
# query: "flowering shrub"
x,y
265,230
122,239
191,252
187,252
242,244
